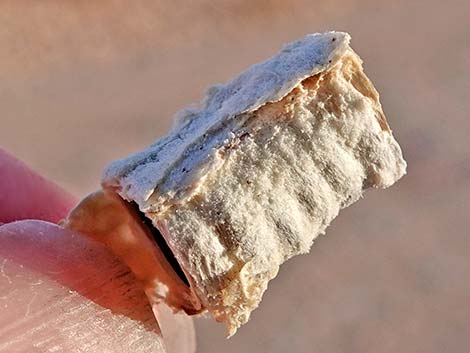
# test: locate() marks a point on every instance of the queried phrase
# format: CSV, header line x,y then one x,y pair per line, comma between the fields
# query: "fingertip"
x,y
178,329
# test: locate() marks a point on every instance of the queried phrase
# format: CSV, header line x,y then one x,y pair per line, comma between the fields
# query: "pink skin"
x,y
60,291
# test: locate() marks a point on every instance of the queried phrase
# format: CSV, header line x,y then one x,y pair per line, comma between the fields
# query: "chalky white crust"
x,y
252,176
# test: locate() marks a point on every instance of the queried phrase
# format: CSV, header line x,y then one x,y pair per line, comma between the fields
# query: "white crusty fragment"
x,y
252,176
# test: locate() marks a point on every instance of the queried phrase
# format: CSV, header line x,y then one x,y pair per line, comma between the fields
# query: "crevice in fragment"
x,y
162,244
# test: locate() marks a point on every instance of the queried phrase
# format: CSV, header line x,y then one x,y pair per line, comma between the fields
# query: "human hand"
x,y
62,292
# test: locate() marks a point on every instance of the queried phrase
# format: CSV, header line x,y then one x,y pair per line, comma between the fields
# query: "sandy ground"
x,y
82,84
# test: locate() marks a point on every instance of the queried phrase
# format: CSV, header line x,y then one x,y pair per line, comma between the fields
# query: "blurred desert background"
x,y
86,82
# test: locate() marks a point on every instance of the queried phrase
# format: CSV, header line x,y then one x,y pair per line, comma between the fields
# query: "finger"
x,y
63,292
172,325
25,194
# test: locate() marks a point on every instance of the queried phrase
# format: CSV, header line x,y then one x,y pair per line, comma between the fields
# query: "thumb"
x,y
61,292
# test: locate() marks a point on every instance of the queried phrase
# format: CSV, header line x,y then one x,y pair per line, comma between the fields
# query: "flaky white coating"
x,y
250,178
138,175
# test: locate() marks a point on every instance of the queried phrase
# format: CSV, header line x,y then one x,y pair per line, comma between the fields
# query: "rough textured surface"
x,y
249,179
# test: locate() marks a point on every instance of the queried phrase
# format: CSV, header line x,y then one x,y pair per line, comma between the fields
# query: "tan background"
x,y
85,82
